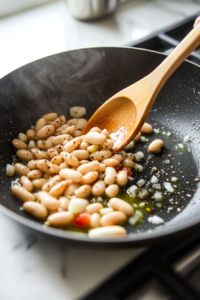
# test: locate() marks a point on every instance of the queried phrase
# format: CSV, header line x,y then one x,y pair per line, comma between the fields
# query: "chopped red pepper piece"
x,y
128,170
118,168
82,220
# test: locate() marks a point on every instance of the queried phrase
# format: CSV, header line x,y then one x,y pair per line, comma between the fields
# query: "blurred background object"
x,y
92,9
8,7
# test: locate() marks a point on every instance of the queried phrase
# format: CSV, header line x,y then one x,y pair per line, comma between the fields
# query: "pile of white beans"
x,y
66,169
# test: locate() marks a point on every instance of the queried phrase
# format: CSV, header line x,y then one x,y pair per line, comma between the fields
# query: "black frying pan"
x,y
88,77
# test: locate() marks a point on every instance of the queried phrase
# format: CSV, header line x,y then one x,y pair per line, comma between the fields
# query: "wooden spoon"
x,y
124,113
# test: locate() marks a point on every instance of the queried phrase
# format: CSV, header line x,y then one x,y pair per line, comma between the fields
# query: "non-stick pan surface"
x,y
88,77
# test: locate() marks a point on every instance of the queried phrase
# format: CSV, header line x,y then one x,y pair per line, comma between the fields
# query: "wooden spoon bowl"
x,y
124,114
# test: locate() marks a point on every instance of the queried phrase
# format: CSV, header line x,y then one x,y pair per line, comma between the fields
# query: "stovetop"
x,y
164,272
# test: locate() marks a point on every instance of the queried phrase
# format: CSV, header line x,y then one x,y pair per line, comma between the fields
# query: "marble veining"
x,y
37,267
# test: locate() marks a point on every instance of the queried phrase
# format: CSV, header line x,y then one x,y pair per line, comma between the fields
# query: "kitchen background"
x,y
37,267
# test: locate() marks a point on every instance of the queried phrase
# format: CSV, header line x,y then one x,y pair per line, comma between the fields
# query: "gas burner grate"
x,y
167,272
166,40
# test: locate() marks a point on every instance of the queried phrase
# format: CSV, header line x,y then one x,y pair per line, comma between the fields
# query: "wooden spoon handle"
x,y
180,53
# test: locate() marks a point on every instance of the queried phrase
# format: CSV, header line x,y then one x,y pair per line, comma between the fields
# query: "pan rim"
x,y
143,238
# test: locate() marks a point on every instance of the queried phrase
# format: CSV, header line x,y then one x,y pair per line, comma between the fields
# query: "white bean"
x,y
121,205
52,152
64,202
107,145
47,167
129,156
118,157
31,134
41,144
60,219
81,154
95,138
49,143
110,175
63,166
22,194
83,191
127,163
72,121
80,124
107,232
59,121
76,133
58,140
50,116
155,145
77,205
57,160
95,220
113,218
83,146
59,148
112,190
23,137
71,174
40,123
102,168
106,210
70,159
98,188
100,155
24,154
72,145
122,178
21,169
48,201
35,174
35,209
106,133
90,177
94,208
58,189
32,164
89,167
26,183
38,183
18,144
146,128
39,154
95,129
68,130
137,137
45,132
110,162
51,182
70,190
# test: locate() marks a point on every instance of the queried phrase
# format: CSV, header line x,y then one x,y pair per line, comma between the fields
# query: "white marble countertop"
x,y
31,267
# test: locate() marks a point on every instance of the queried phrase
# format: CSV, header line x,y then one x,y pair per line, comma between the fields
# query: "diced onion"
x,y
154,179
174,179
143,139
10,170
77,111
157,186
143,194
130,145
158,196
92,148
133,190
134,219
155,220
138,168
141,182
168,187
139,155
